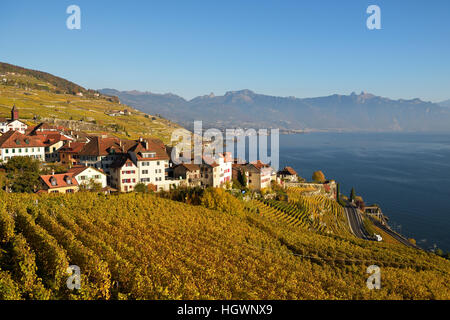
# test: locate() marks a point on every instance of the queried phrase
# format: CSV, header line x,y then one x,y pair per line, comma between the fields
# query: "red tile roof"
x,y
99,146
259,165
52,138
15,139
288,171
61,180
74,147
150,146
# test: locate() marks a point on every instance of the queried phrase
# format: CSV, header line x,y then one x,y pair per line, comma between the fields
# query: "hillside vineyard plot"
x,y
137,246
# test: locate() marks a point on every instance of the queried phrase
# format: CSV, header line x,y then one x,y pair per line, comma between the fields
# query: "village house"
x,y
84,175
13,124
258,174
14,144
147,162
288,174
54,142
69,153
59,183
102,152
124,174
188,172
216,172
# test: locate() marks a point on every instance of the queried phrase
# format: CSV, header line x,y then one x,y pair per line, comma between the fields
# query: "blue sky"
x,y
287,48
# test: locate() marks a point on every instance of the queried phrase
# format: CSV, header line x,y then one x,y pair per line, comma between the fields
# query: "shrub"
x,y
318,176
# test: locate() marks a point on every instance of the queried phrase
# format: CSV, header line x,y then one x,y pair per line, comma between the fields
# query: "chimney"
x,y
53,172
146,144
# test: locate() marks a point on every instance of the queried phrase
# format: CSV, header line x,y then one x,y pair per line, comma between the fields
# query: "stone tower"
x,y
14,113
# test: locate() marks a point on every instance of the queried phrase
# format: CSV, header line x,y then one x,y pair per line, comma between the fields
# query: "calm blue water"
x,y
407,174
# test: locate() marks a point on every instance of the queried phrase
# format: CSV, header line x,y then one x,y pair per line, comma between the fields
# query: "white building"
x,y
124,174
84,175
14,144
147,162
13,124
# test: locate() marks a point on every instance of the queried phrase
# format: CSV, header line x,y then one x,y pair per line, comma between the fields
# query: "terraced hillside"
x,y
43,97
139,246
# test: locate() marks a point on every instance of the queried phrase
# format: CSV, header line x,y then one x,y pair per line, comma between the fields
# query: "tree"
x,y
22,174
92,186
352,194
53,167
140,187
360,203
318,176
242,178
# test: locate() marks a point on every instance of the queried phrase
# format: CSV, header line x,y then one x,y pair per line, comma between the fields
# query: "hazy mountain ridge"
x,y
245,108
445,103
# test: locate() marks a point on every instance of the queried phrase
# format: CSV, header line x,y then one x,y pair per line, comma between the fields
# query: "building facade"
x,y
14,144
84,175
59,183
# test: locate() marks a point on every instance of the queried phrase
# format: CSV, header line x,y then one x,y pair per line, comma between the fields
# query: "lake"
x,y
407,174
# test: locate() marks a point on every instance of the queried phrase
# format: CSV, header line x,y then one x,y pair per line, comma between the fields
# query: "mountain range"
x,y
247,109
445,103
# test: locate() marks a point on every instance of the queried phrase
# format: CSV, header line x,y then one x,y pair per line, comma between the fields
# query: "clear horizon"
x,y
290,48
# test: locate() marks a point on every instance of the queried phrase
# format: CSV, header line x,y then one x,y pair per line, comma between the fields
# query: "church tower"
x,y
14,113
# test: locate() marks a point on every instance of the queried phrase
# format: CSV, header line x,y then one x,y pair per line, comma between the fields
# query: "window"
x,y
144,171
149,155
69,191
7,151
157,163
53,181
